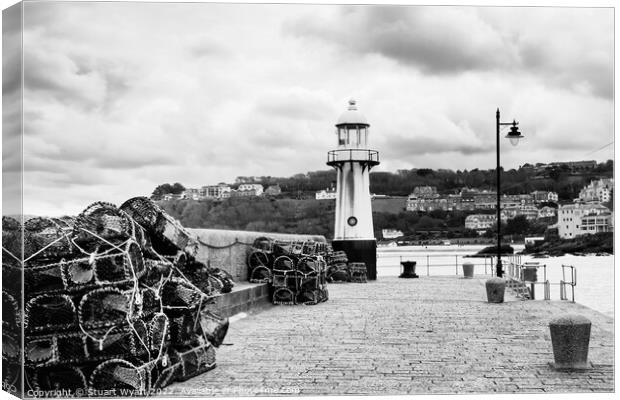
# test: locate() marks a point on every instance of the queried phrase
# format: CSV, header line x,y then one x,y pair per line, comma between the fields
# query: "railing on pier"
x,y
523,277
520,275
572,283
429,262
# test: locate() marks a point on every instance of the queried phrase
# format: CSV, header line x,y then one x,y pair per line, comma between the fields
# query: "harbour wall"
x,y
228,250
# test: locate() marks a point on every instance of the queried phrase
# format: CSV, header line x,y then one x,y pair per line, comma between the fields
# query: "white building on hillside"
x,y
543,195
480,222
596,223
553,196
547,212
219,191
326,194
530,212
597,191
193,194
570,217
391,233
247,187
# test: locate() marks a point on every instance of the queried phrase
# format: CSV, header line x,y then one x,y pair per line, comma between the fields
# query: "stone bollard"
x,y
495,290
468,270
570,337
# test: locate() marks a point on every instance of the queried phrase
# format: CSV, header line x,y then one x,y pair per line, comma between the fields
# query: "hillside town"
x,y
567,218
224,191
586,215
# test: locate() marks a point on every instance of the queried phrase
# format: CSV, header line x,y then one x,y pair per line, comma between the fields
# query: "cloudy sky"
x,y
120,97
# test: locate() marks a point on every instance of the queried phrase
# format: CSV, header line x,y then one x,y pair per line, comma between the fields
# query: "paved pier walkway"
x,y
400,336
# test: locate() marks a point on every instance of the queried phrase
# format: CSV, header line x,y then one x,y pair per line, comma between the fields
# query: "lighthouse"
x,y
353,230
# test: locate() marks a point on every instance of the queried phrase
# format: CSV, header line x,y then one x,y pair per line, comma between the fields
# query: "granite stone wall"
x,y
228,250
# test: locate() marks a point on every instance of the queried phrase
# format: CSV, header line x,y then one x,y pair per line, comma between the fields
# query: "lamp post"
x,y
514,135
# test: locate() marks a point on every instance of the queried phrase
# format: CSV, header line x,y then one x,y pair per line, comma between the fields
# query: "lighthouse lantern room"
x,y
353,229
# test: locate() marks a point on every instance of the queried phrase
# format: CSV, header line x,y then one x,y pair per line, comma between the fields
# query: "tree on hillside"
x,y
177,188
518,225
427,223
424,171
162,189
167,188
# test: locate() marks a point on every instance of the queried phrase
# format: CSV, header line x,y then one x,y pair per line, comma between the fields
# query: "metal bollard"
x,y
570,338
495,290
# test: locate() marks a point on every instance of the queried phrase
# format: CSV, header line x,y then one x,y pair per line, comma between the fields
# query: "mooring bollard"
x,y
495,290
468,270
570,338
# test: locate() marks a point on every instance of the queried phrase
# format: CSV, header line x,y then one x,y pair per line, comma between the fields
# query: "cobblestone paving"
x,y
404,336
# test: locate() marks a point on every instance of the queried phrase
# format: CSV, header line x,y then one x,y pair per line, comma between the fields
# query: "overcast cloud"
x,y
120,97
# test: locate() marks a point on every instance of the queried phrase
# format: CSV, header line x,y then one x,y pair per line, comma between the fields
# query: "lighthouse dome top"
x,y
352,115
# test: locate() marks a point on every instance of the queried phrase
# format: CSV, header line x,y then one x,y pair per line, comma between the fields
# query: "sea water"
x,y
595,274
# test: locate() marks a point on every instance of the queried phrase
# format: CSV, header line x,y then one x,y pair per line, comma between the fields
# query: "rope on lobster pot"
x,y
104,240
158,333
46,235
135,296
176,269
197,316
157,290
212,246
137,334
4,249
106,219
43,249
124,251
135,293
100,340
119,374
192,284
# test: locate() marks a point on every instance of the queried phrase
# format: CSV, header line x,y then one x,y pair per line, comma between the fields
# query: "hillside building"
x,y
541,196
328,194
571,218
529,211
426,192
391,233
219,191
574,166
597,191
247,188
547,212
426,204
480,222
273,190
192,194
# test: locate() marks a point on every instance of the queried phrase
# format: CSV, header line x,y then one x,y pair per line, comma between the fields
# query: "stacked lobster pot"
x,y
339,269
115,302
11,303
296,270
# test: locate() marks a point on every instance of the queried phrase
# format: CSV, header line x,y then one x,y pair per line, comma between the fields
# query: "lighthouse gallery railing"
x,y
353,155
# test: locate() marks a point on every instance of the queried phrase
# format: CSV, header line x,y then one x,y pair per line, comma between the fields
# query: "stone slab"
x,y
432,335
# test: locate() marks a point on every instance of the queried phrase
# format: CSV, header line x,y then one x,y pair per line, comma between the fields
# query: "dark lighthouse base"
x,y
360,251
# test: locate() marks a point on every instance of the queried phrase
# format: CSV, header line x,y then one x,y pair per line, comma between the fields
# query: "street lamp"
x,y
514,135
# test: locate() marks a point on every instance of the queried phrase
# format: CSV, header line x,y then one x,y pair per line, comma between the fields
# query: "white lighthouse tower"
x,y
353,230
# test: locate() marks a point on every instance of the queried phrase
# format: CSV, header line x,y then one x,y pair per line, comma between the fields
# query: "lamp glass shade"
x,y
514,135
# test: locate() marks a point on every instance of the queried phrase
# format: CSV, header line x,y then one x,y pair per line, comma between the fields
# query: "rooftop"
x,y
352,115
